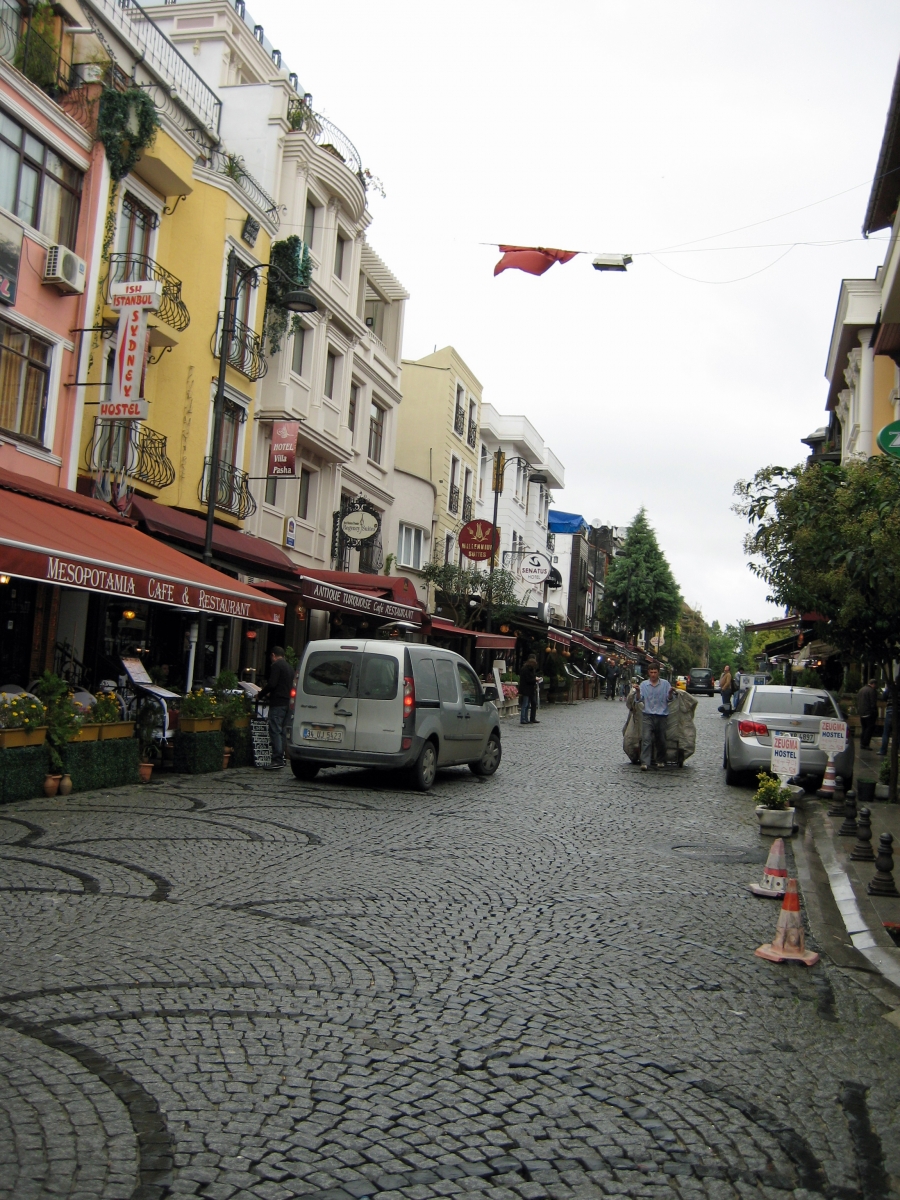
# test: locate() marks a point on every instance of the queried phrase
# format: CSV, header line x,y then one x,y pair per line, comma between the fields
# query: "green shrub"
x,y
199,753
770,793
111,763
22,772
239,741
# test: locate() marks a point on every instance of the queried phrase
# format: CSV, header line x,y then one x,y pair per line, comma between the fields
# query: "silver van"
x,y
367,703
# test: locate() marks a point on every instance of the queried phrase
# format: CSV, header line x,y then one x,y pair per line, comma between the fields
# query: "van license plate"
x,y
323,735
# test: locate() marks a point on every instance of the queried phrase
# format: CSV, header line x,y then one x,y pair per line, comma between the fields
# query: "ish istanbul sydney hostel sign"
x,y
134,301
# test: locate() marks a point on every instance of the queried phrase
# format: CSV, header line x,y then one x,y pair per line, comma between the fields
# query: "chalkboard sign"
x,y
262,746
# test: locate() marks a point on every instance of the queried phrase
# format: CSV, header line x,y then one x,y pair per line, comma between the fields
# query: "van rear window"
x,y
329,674
378,678
794,704
425,679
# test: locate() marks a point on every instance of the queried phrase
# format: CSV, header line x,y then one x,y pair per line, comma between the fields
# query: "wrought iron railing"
x,y
459,422
161,58
246,351
472,436
128,268
132,449
325,134
232,166
453,498
232,492
467,508
36,56
551,540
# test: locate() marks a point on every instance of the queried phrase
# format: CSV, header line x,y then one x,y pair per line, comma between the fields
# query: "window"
x,y
297,351
376,432
136,225
233,417
379,677
446,677
309,223
352,407
329,674
330,369
37,185
425,681
794,704
272,490
339,256
24,378
303,499
409,547
449,542
471,689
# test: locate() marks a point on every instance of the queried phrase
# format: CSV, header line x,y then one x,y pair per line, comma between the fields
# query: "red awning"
x,y
391,587
320,593
563,639
494,641
442,627
54,543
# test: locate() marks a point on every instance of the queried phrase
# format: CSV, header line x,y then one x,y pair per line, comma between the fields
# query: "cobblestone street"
x,y
536,985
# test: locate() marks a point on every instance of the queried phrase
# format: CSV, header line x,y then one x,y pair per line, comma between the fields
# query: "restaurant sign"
x,y
319,594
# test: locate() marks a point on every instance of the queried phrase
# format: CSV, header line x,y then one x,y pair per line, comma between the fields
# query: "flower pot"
x,y
65,786
51,784
22,737
87,733
200,724
882,791
865,791
145,770
116,729
226,759
775,820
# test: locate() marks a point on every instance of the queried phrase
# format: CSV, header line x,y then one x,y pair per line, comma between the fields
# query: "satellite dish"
x,y
596,523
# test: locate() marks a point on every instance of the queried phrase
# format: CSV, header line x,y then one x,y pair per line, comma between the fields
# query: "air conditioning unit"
x,y
65,270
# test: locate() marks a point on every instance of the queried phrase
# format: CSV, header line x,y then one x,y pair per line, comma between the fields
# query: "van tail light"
x,y
752,729
293,692
409,697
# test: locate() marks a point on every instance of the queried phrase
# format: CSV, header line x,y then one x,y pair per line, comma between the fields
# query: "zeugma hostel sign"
x,y
785,755
134,301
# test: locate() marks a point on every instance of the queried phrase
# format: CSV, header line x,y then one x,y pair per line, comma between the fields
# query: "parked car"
x,y
367,703
766,709
700,682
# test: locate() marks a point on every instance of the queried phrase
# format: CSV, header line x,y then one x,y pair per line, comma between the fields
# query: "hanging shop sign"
x,y
534,568
10,257
360,525
125,399
889,439
142,293
319,594
283,450
478,540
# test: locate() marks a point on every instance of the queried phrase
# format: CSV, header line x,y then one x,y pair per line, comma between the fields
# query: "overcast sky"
x,y
622,127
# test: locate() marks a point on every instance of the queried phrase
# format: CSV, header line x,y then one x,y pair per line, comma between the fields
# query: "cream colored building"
x,y
438,441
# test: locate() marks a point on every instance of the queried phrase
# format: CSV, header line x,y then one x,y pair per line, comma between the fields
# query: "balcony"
x,y
246,351
34,49
459,422
136,450
129,268
472,436
232,166
301,118
453,498
551,540
467,508
232,493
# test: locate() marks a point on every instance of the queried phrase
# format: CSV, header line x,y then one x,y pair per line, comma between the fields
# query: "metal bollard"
x,y
838,799
848,829
862,851
883,883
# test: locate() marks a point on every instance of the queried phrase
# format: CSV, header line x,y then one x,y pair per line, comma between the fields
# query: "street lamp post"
x,y
501,462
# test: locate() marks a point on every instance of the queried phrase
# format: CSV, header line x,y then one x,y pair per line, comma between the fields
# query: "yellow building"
x,y
437,439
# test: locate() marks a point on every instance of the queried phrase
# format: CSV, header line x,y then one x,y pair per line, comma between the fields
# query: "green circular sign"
x,y
889,439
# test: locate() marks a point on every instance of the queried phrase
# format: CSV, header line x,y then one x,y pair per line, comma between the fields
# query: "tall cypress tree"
x,y
641,592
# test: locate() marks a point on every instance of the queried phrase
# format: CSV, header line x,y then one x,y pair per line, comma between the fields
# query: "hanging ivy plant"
x,y
126,125
293,269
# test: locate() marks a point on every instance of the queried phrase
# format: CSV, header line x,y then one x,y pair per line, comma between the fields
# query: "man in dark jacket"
x,y
278,693
528,691
867,711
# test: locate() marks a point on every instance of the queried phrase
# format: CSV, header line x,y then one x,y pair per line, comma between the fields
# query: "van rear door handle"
x,y
343,712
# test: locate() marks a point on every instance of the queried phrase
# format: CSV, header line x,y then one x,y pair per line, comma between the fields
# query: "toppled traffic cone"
x,y
788,944
775,874
826,791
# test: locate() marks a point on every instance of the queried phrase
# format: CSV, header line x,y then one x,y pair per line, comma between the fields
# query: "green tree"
x,y
826,538
464,593
641,592
687,644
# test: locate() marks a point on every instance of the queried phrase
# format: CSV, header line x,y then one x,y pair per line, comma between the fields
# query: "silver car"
x,y
767,709
368,703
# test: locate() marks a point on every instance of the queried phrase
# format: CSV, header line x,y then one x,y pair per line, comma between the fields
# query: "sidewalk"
x,y
864,916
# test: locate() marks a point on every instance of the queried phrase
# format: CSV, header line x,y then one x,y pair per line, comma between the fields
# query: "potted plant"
x,y
883,786
63,723
108,712
199,713
22,720
149,748
774,808
232,703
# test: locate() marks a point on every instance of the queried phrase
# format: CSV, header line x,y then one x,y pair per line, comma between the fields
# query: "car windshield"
x,y
792,703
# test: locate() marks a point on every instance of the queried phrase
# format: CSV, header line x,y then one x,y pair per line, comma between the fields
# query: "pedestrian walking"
x,y
611,677
528,692
654,694
278,693
888,718
726,687
867,711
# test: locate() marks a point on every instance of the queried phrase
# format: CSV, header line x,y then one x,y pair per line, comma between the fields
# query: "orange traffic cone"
x,y
775,874
788,942
826,791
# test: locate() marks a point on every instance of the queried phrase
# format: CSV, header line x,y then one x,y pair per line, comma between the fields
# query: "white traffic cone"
x,y
788,944
774,877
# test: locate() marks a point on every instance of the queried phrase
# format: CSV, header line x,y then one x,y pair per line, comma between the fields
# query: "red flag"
x,y
533,259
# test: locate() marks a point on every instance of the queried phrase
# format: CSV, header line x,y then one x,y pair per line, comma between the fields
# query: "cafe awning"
x,y
320,593
556,635
53,540
443,628
494,641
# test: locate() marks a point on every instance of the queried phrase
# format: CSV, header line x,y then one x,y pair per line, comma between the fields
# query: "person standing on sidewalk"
x,y
278,693
611,676
528,692
726,687
654,693
867,711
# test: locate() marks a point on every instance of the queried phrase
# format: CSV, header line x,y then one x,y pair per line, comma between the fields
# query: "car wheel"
x,y
303,769
490,759
732,778
425,768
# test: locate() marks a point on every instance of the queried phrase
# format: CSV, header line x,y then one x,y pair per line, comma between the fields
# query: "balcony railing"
x,y
125,446
301,117
551,540
37,53
453,499
232,493
246,351
128,268
467,508
232,166
472,436
459,422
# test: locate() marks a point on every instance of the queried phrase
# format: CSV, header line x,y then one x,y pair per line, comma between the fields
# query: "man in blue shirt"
x,y
655,693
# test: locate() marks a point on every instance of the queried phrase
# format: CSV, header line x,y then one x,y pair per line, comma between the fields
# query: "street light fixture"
x,y
501,462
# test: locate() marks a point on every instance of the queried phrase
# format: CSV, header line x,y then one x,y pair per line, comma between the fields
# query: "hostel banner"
x,y
283,451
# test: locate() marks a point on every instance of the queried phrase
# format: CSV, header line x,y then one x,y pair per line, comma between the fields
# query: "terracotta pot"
x,y
65,786
51,784
225,761
146,770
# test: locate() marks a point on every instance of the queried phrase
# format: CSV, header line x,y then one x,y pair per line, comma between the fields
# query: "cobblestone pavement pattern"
x,y
538,985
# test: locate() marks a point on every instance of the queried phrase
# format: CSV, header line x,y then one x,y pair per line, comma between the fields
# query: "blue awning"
x,y
563,522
